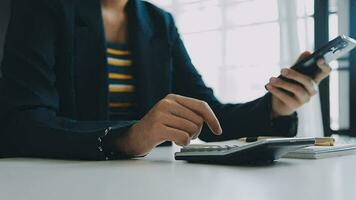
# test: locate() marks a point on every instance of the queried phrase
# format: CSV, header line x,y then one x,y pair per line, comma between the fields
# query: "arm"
x,y
237,120
28,97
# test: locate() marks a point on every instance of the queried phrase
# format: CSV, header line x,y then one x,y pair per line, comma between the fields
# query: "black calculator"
x,y
264,151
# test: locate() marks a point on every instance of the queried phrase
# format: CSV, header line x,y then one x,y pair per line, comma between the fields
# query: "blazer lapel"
x,y
150,56
91,72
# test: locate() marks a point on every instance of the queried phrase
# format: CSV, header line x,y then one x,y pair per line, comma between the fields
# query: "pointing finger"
x,y
201,108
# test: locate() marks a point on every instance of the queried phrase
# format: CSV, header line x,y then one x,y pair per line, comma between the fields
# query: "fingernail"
x,y
321,61
273,80
284,72
219,131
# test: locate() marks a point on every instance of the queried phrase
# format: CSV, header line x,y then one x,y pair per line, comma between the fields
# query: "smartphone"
x,y
333,50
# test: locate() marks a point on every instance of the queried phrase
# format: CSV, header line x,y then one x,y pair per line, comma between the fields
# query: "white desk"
x,y
158,176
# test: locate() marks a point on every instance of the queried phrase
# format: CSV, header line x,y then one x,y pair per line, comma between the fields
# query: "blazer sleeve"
x,y
237,120
29,125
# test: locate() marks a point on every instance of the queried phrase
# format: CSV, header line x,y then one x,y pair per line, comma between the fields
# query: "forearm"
x,y
251,119
53,137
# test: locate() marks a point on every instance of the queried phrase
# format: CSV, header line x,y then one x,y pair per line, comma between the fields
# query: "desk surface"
x,y
159,176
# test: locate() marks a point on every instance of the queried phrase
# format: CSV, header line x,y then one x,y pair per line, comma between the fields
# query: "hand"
x,y
284,104
175,118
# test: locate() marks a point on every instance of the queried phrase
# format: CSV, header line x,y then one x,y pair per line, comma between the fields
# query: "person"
x,y
112,79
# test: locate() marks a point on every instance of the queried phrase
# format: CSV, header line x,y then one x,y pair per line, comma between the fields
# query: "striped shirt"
x,y
121,81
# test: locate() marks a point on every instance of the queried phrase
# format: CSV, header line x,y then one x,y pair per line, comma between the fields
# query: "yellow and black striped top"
x,y
121,81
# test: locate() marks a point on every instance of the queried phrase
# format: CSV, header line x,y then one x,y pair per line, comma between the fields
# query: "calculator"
x,y
264,151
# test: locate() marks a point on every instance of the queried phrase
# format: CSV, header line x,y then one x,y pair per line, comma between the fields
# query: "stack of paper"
x,y
316,152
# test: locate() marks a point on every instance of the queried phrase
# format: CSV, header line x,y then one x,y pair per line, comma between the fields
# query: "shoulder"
x,y
38,7
30,5
157,12
161,20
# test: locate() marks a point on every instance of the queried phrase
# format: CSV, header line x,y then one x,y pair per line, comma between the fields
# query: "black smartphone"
x,y
331,51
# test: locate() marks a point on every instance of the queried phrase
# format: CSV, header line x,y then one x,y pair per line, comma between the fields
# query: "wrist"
x,y
107,145
122,143
279,110
275,114
128,143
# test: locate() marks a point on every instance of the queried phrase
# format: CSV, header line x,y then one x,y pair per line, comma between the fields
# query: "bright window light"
x,y
241,41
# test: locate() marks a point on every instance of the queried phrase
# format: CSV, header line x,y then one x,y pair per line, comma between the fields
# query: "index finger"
x,y
202,109
303,55
325,70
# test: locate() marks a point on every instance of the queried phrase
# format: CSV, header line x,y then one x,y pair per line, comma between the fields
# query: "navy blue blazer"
x,y
49,109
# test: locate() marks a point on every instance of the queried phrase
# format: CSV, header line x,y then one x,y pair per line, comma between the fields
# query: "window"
x,y
339,78
243,40
237,45
333,19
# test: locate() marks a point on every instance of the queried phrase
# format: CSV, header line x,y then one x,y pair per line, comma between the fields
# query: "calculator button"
x,y
207,148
